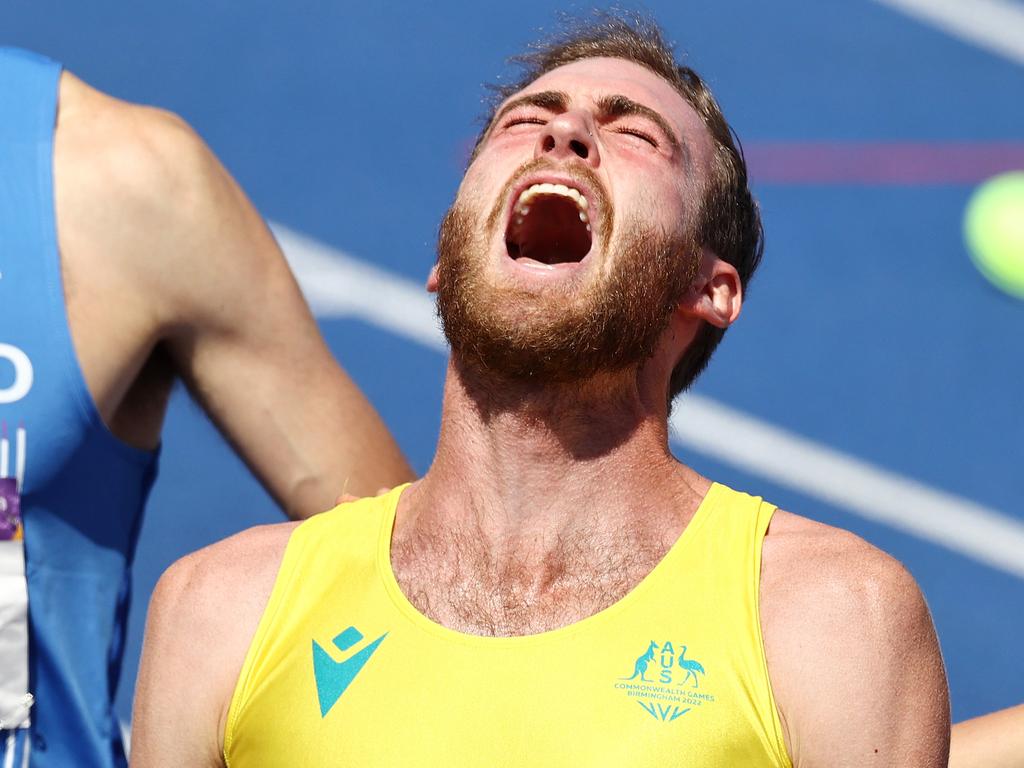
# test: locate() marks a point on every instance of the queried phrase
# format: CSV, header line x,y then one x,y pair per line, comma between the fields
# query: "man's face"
x,y
570,241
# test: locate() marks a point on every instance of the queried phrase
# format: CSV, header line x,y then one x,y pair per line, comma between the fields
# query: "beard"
x,y
570,333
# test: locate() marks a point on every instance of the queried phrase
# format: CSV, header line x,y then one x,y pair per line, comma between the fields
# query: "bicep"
x,y
906,700
174,702
202,618
855,662
884,700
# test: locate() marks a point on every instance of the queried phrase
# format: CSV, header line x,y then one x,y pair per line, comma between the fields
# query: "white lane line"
x,y
10,746
995,25
836,478
338,285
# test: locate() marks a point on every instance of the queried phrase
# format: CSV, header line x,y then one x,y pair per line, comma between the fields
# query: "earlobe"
x,y
432,279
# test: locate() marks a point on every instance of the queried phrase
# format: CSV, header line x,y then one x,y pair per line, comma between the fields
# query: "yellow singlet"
x,y
344,671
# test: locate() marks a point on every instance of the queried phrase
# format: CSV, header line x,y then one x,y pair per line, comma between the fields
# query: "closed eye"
x,y
525,121
639,134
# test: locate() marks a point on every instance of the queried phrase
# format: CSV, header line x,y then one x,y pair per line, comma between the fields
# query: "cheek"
x,y
519,141
663,204
498,161
681,202
480,184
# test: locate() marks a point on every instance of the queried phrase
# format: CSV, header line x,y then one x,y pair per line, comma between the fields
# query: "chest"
x,y
470,592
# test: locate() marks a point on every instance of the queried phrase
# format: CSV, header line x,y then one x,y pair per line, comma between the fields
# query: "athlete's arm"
x,y
852,653
202,618
991,741
246,344
178,265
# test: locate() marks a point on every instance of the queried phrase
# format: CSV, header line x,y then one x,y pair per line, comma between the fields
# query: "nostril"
x,y
579,148
549,143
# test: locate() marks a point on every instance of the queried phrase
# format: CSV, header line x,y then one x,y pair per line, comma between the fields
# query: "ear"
x,y
716,295
432,279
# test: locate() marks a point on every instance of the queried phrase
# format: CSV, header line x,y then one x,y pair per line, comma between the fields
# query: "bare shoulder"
x,y
821,581
141,152
135,190
231,574
124,166
219,592
848,633
811,557
202,618
143,205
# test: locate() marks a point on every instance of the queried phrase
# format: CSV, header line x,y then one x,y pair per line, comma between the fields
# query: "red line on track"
x,y
896,163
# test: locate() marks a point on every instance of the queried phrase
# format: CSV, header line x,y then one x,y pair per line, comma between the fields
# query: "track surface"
x,y
867,331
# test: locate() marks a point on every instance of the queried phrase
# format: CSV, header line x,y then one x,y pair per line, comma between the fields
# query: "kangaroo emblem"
x,y
692,668
640,666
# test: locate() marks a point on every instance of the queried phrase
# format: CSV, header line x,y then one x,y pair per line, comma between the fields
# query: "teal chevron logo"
x,y
663,712
333,677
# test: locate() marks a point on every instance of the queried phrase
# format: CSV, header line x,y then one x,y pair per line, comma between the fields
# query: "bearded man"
x,y
558,589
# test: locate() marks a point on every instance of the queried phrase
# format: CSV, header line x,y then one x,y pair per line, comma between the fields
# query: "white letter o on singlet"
x,y
22,374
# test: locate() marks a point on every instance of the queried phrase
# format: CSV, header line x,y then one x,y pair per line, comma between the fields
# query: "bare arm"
x,y
992,741
202,617
171,258
246,343
852,652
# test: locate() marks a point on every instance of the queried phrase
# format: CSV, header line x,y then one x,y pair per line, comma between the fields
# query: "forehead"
x,y
587,80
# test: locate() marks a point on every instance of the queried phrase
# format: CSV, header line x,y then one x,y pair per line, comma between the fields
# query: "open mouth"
x,y
549,225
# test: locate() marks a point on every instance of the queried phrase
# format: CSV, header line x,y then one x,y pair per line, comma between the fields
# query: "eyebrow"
x,y
609,107
555,101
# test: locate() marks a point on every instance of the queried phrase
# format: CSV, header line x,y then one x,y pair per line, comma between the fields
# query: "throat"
x,y
586,417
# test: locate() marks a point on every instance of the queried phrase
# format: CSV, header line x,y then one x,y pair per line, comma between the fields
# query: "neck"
x,y
544,504
537,463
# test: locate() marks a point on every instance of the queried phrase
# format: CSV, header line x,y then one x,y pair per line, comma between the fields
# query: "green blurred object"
x,y
994,231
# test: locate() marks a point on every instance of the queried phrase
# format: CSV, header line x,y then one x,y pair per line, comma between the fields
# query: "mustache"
x,y
576,171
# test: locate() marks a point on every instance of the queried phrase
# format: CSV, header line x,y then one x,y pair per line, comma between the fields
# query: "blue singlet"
x,y
81,491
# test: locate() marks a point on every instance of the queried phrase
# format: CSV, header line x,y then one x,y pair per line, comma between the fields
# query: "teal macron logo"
x,y
334,677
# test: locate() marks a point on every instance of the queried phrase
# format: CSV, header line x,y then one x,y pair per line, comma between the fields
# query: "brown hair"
x,y
728,221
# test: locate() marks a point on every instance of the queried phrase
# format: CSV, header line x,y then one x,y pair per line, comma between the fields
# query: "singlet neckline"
x,y
646,584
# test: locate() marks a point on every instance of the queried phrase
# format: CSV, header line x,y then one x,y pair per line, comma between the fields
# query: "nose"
x,y
569,135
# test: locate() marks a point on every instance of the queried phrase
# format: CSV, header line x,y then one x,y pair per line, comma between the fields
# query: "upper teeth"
x,y
522,205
